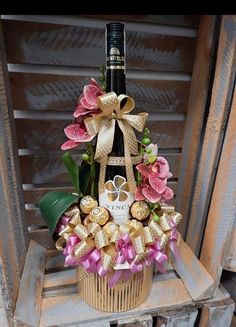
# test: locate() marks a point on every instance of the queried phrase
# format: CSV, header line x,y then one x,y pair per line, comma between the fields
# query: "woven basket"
x,y
94,291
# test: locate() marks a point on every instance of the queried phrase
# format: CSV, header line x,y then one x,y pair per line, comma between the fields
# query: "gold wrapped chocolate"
x,y
140,210
99,215
87,203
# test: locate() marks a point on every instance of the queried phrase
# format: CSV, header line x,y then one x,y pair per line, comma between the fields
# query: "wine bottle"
x,y
117,198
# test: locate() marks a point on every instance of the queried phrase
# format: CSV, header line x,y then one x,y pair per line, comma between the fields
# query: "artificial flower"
x,y
88,100
87,107
154,175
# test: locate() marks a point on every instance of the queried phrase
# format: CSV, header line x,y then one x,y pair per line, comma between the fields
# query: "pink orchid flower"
x,y
87,107
88,100
153,187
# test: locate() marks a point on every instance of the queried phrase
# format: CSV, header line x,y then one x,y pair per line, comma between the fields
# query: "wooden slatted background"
x,y
50,58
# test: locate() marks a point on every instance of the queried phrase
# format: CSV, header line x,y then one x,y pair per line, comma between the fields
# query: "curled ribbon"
x,y
158,256
70,259
125,254
170,218
103,125
90,260
107,260
172,243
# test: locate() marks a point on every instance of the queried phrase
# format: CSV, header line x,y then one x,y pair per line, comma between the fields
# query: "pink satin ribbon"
x,y
62,224
158,256
101,270
125,253
172,243
90,260
68,251
125,249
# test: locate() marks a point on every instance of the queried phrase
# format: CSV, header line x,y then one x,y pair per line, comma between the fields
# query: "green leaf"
x,y
73,170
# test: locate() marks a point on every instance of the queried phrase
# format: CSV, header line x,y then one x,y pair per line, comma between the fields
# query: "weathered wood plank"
x,y
215,127
34,217
55,262
164,294
196,279
49,135
176,20
181,317
28,305
36,193
217,314
96,324
228,280
3,318
138,321
230,261
40,169
42,237
195,117
222,210
62,278
65,45
60,93
13,237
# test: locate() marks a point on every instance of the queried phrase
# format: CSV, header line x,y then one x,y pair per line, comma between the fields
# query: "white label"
x,y
117,199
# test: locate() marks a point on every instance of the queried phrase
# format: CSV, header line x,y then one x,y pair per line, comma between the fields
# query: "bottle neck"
x,y
116,81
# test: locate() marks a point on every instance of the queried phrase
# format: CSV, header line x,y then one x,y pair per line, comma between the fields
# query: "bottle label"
x,y
117,199
115,60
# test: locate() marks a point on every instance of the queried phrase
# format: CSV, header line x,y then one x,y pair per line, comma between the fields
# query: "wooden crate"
x,y
49,296
181,69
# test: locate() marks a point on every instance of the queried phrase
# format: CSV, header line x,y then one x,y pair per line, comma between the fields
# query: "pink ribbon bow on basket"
x,y
158,256
126,253
90,260
70,259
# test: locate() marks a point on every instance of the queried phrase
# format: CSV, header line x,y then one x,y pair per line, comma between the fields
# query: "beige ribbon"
x,y
103,125
169,217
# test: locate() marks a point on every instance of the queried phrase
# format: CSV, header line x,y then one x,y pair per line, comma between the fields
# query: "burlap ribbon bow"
x,y
103,125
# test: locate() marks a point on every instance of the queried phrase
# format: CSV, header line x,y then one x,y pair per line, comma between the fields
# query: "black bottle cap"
x,y
115,31
115,43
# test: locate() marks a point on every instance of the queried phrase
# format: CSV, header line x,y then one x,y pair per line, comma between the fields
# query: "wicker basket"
x,y
94,291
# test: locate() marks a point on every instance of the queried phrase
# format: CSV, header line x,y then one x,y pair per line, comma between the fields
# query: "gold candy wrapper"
x,y
99,215
87,204
140,210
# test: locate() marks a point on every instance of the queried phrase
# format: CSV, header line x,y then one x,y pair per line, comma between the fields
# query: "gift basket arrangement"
x,y
117,225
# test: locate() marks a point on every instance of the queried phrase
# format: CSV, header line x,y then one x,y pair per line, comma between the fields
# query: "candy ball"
x,y
87,203
140,210
99,215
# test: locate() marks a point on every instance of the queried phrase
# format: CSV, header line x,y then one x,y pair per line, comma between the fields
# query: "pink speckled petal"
x,y
163,167
76,133
87,105
156,183
138,194
143,169
91,92
168,194
69,145
80,111
150,194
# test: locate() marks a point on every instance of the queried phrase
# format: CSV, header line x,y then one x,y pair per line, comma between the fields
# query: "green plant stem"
x,y
92,168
